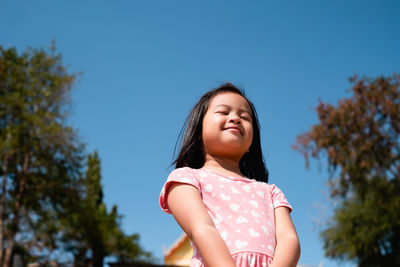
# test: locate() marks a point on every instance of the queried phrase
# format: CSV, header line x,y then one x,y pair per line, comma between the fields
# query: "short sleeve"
x,y
278,198
180,175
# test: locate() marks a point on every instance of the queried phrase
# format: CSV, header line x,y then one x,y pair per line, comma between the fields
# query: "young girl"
x,y
219,193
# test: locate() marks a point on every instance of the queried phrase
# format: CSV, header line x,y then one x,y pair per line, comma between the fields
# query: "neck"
x,y
218,163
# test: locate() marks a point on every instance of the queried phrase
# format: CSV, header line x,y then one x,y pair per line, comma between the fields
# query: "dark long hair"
x,y
191,150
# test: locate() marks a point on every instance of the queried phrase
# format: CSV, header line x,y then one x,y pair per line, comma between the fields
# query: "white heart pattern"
x,y
224,197
265,230
218,219
246,188
240,244
241,219
253,233
234,207
224,235
185,180
271,248
234,190
260,193
254,203
208,188
203,174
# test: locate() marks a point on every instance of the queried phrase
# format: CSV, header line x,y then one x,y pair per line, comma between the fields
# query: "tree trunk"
x,y
10,245
98,259
2,207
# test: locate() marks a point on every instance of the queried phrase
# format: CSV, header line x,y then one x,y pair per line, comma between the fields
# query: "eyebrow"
x,y
228,106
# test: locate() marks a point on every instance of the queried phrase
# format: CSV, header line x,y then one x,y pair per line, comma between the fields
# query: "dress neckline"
x,y
235,178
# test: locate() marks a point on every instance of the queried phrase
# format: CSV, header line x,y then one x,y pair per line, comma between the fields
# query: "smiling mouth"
x,y
235,129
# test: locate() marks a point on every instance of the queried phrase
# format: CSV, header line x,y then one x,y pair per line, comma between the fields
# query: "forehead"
x,y
230,99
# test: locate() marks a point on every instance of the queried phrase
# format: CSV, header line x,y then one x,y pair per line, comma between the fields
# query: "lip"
x,y
234,128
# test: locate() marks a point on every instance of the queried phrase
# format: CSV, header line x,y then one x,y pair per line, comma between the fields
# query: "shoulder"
x,y
183,172
273,190
278,197
183,175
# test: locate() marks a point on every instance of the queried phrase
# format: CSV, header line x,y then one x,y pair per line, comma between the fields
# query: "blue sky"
x,y
146,63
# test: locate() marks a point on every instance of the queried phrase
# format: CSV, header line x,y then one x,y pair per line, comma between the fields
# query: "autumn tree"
x,y
93,232
360,139
40,155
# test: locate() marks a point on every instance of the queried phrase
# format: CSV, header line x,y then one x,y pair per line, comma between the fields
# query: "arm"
x,y
287,251
185,204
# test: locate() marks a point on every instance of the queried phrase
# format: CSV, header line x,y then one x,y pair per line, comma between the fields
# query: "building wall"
x,y
180,254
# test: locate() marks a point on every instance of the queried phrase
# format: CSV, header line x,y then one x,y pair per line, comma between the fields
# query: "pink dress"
x,y
242,210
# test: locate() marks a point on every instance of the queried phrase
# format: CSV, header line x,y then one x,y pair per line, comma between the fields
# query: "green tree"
x,y
40,155
360,138
43,192
94,233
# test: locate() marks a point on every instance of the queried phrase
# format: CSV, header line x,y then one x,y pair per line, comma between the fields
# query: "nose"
x,y
235,119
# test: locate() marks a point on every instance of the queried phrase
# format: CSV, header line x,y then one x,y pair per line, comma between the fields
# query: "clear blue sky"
x,y
145,64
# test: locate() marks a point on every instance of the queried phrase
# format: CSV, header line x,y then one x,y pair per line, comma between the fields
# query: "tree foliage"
x,y
93,232
40,156
360,138
42,189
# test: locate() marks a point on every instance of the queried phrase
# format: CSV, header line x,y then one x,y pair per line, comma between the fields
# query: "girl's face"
x,y
227,126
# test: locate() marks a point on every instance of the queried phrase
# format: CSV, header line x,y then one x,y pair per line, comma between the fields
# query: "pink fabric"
x,y
242,259
242,210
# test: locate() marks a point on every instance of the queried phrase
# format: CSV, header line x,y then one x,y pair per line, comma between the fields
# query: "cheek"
x,y
251,135
208,133
212,122
208,126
